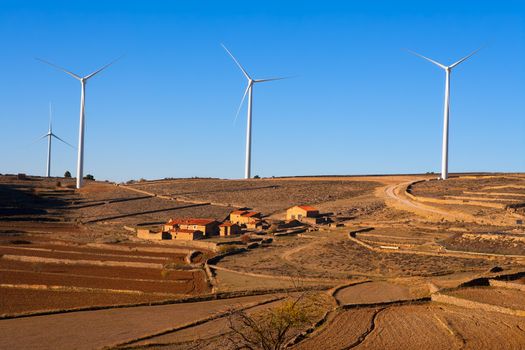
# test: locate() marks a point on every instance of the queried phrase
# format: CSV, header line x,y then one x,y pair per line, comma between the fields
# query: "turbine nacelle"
x,y
83,79
440,65
251,81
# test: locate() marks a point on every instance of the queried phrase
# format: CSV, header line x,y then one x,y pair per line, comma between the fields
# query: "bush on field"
x,y
245,238
226,248
274,328
174,265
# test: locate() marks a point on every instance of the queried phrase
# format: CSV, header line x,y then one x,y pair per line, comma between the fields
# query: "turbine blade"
x,y
40,138
270,79
237,62
59,68
240,104
428,59
464,58
58,138
101,69
50,125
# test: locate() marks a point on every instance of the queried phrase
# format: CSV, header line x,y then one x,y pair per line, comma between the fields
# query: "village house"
x,y
186,235
307,215
244,217
301,211
208,227
228,228
153,235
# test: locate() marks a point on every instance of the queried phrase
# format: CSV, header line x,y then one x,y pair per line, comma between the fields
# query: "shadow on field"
x,y
94,203
19,202
144,213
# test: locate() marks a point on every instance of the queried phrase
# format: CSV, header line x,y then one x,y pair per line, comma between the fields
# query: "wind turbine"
x,y
249,91
49,136
448,70
83,81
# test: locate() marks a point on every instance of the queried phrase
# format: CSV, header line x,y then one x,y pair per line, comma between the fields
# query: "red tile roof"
x,y
227,224
307,208
181,230
200,222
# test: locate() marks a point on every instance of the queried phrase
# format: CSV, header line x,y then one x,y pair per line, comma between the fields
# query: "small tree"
x,y
256,177
67,174
245,238
274,328
89,177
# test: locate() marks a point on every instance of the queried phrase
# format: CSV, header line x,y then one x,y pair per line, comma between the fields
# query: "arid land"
x,y
412,262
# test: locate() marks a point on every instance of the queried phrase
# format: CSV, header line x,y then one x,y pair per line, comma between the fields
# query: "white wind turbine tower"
x,y
448,70
49,136
249,91
83,81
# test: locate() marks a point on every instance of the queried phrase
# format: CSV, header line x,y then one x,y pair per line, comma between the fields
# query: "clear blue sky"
x,y
360,104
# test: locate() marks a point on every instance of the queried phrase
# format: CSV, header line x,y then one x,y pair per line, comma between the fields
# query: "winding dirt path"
x,y
393,192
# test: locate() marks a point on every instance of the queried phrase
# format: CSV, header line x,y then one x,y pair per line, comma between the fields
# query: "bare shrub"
x,y
175,265
273,228
37,267
164,273
274,328
226,248
245,238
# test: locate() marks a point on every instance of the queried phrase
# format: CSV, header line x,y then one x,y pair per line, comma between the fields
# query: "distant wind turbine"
x,y
49,136
83,81
448,70
249,91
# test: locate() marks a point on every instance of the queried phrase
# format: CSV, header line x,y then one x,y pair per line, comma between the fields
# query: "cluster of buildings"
x,y
237,222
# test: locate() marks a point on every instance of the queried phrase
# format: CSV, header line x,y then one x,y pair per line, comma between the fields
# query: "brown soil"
x,y
459,185
483,243
96,329
343,331
509,298
35,242
184,285
266,195
62,254
439,327
338,257
93,271
373,292
15,300
207,330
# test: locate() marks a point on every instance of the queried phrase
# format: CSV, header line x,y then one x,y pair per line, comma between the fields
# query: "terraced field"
x,y
43,275
509,298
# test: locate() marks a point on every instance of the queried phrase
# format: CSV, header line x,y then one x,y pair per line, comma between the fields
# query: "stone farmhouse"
x,y
306,214
245,218
228,228
301,211
208,227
